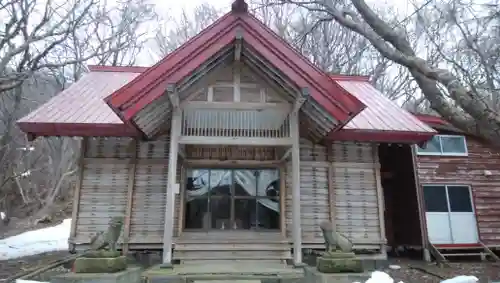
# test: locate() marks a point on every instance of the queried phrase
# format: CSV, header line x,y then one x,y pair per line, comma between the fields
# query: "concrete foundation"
x,y
131,275
311,275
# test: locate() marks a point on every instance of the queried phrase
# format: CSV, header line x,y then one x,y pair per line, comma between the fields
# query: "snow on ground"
x,y
36,242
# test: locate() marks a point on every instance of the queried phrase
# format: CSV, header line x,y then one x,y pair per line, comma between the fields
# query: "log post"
x,y
170,198
296,224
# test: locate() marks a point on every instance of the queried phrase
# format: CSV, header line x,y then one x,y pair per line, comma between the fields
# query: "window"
x,y
447,198
444,145
232,199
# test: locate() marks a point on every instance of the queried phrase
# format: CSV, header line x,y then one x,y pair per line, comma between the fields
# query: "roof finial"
x,y
239,6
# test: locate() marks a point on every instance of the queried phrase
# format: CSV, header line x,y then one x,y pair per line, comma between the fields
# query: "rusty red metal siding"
x,y
469,170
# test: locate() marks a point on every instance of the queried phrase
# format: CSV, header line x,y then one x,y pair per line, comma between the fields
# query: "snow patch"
x,y
461,279
34,242
29,281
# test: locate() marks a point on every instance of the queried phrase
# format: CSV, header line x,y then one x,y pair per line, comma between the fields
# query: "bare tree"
x,y
41,59
456,96
174,32
32,40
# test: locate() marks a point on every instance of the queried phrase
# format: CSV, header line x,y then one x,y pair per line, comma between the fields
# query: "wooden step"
x,y
237,255
228,256
463,254
232,247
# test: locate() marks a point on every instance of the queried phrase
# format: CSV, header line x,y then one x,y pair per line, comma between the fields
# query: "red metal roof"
x,y
382,119
80,109
143,90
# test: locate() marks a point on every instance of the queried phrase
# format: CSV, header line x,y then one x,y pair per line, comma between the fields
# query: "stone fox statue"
x,y
109,237
334,239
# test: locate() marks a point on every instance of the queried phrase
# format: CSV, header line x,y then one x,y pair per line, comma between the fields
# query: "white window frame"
x,y
446,187
441,153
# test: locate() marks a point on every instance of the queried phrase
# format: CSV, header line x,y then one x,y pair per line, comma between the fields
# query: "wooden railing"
x,y
241,123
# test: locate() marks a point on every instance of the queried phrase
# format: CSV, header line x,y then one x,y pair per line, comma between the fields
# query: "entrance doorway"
x,y
450,214
401,208
232,199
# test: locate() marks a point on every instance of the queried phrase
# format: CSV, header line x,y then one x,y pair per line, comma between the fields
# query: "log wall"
x,y
469,170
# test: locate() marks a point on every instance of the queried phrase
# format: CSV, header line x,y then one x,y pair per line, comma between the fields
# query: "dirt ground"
x,y
411,271
13,266
423,272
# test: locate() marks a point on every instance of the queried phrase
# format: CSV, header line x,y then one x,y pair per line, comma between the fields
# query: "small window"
x,y
444,145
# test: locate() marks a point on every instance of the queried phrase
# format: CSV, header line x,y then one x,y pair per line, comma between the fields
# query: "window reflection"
x,y
237,199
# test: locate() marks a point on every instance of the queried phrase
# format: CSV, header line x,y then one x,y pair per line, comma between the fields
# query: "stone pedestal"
x,y
312,275
100,265
338,262
130,275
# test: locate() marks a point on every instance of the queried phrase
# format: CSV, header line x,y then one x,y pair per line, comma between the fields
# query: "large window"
x,y
232,199
449,145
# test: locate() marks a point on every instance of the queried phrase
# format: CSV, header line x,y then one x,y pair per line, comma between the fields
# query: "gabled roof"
x,y
150,85
80,109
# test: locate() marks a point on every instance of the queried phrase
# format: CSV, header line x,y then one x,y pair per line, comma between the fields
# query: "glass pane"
x,y
268,213
459,197
268,183
220,208
453,144
244,213
435,199
245,182
220,182
197,183
196,214
432,146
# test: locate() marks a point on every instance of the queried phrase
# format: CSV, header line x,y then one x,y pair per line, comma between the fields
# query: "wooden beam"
x,y
380,198
236,85
231,163
209,140
283,200
426,245
285,107
77,192
130,195
300,100
286,155
296,215
182,202
173,96
331,188
238,46
170,199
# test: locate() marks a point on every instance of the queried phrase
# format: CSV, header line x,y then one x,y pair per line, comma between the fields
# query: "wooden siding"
x,y
469,170
353,177
104,189
354,201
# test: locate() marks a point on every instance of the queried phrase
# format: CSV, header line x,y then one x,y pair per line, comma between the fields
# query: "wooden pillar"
x,y
172,172
331,188
380,198
77,192
130,194
296,224
421,205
